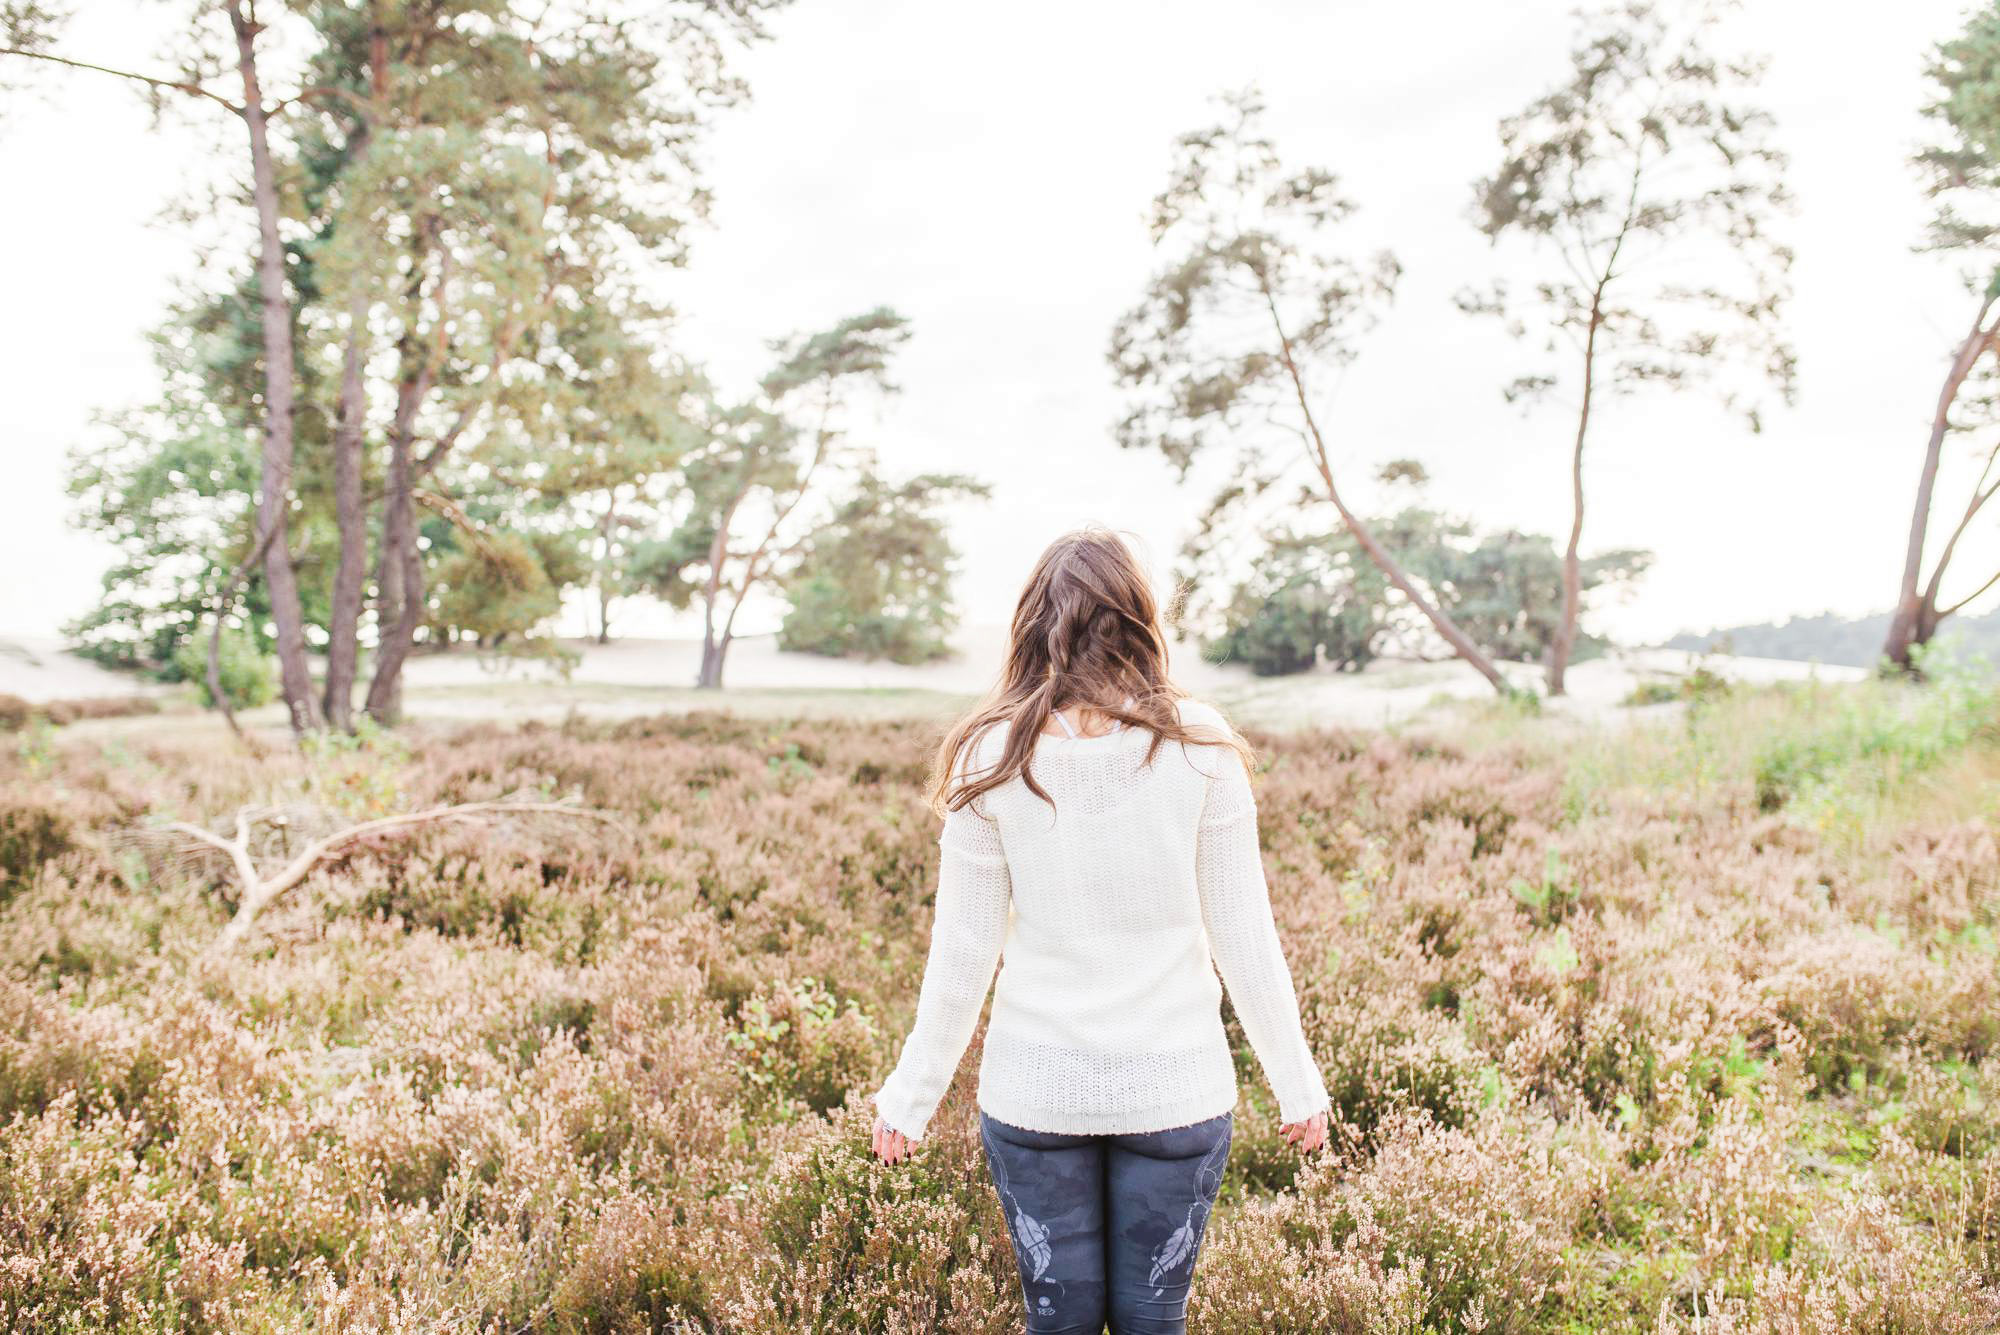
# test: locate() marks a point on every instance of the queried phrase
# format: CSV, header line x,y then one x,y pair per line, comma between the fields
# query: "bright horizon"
x,y
989,180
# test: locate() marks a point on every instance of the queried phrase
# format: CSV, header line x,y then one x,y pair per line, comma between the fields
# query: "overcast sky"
x,y
986,171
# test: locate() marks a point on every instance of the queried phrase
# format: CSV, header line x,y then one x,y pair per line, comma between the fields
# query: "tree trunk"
x,y
388,597
349,451
351,518
1914,621
1461,643
713,648
216,694
400,608
1564,643
274,497
604,570
710,677
713,670
712,651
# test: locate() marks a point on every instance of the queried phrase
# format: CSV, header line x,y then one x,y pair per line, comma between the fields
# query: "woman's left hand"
x,y
1306,1136
891,1146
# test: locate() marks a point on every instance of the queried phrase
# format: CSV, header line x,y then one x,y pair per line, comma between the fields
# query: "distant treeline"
x,y
1826,638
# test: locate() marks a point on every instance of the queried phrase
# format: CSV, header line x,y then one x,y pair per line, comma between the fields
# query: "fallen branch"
x,y
260,889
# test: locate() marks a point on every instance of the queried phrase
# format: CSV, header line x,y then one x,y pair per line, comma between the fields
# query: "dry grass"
x,y
1618,1042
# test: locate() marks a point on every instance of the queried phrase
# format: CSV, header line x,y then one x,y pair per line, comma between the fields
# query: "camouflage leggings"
x,y
1107,1226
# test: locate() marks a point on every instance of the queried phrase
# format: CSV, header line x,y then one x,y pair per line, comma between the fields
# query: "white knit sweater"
x,y
1111,913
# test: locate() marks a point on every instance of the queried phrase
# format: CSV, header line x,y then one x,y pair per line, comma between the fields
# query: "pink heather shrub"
x,y
1618,1040
846,1245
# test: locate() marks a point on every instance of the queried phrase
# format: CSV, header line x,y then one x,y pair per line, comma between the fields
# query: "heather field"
x,y
1682,1026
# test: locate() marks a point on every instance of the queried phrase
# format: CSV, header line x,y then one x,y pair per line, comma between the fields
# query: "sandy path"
x,y
40,670
635,677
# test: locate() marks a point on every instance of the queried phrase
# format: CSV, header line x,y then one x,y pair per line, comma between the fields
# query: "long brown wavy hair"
x,y
1086,632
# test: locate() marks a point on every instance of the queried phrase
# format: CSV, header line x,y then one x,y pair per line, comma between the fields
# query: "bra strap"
x,y
1070,732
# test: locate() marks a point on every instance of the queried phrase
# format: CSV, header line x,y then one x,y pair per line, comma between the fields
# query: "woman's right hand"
x,y
1306,1136
891,1146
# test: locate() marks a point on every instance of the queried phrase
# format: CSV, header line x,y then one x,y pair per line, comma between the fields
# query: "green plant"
x,y
1548,900
789,765
800,1048
35,745
1655,691
358,773
1864,742
249,675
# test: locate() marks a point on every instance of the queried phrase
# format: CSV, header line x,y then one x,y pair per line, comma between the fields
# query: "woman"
x,y
1100,836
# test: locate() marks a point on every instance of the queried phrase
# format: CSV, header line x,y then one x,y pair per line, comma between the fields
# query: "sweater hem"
x,y
1185,1111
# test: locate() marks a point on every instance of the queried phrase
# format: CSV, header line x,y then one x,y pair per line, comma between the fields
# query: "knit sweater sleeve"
x,y
1243,939
974,895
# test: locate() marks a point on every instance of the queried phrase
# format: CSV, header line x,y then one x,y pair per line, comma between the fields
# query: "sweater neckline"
x,y
1060,740
1068,737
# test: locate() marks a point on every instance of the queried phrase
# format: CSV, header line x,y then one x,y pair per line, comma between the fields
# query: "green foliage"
x,y
801,1049
1306,600
513,173
755,474
171,487
856,350
789,765
661,567
1827,638
1865,742
249,673
875,581
1254,281
1550,899
601,446
744,451
1506,589
495,588
1701,686
1255,303
1319,599
33,829
29,26
357,773
1964,167
1654,692
1651,146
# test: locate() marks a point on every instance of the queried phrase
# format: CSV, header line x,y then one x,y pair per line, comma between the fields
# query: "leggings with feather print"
x,y
1107,1227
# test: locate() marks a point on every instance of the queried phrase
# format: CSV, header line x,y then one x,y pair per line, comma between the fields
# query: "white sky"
x,y
986,171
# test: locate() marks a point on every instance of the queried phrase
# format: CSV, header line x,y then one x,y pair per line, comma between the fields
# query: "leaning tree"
x,y
1647,186
1964,179
1256,301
